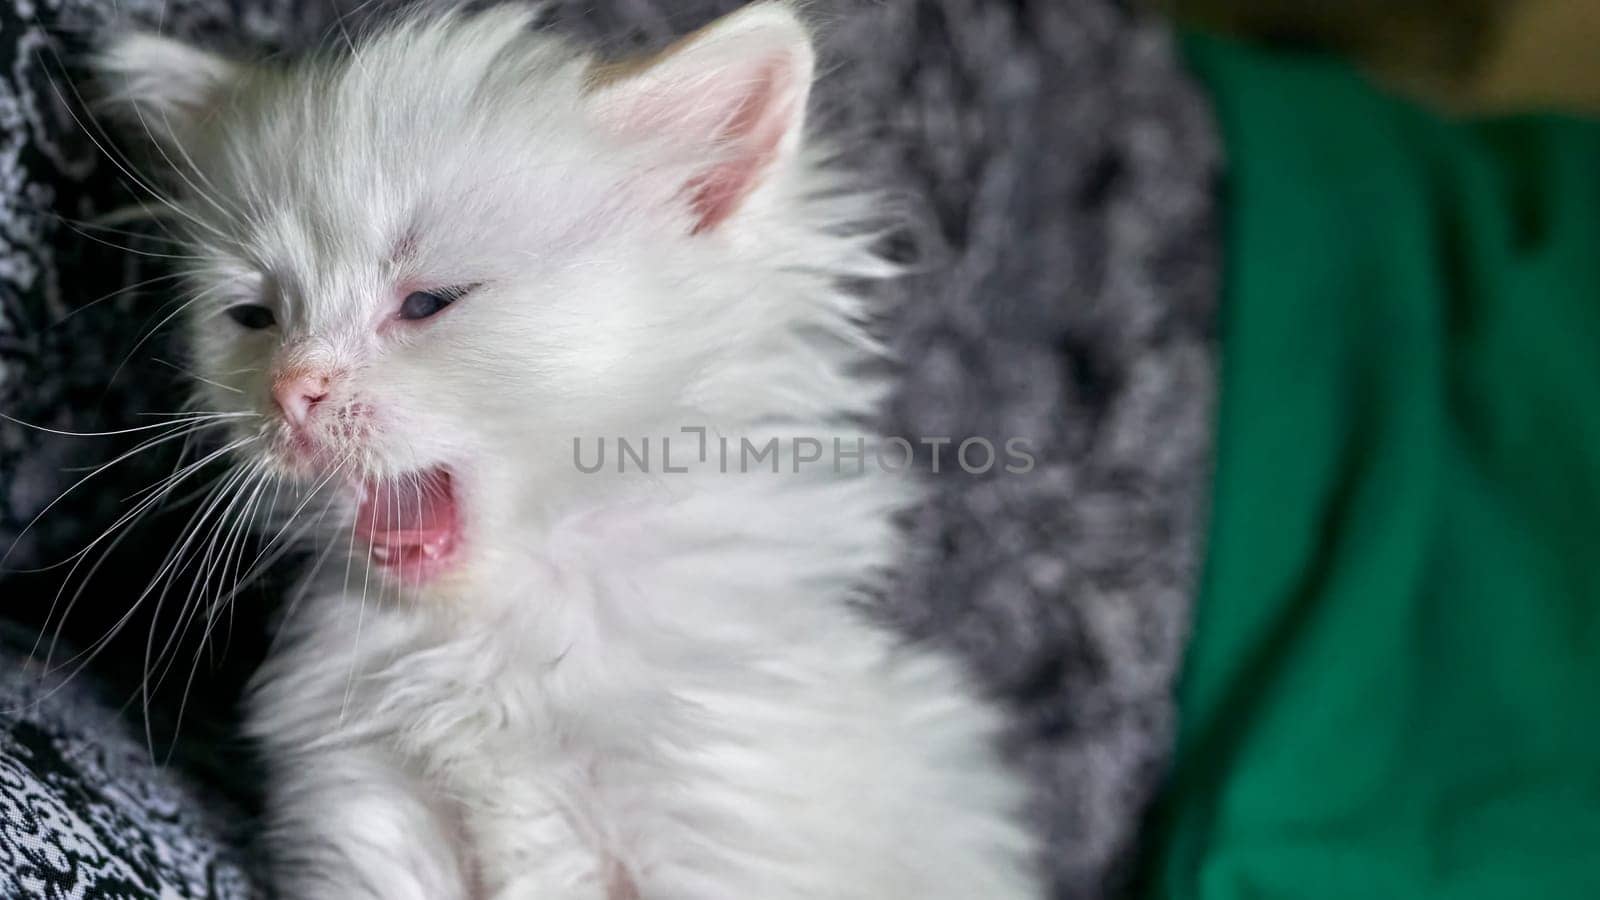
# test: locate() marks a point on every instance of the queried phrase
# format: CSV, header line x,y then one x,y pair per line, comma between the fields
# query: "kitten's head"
x,y
433,262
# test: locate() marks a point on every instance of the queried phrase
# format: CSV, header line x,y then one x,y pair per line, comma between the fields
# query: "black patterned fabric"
x,y
1057,164
83,811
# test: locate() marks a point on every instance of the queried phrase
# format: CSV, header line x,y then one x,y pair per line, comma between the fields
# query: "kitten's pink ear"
x,y
162,84
733,93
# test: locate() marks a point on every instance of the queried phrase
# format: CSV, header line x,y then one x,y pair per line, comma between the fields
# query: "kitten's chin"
x,y
411,524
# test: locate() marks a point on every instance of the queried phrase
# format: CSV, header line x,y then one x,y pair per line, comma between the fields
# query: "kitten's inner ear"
x,y
163,84
733,94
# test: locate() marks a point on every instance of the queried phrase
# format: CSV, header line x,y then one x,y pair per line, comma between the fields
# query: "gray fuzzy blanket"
x,y
1057,164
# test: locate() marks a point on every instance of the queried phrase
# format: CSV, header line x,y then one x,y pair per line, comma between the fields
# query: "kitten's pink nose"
x,y
297,392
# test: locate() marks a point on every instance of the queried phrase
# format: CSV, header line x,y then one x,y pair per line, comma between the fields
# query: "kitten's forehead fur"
x,y
329,178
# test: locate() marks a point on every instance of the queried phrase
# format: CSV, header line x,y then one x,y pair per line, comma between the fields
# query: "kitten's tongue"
x,y
410,519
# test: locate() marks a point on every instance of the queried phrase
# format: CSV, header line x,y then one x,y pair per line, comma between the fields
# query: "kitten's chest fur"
x,y
667,688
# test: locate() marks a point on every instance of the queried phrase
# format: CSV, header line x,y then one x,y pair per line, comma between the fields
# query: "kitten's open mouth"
x,y
411,523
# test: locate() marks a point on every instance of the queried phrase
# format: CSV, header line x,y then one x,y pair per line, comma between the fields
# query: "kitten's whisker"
x,y
231,524
115,159
223,415
190,497
66,580
304,587
361,611
230,544
155,487
151,332
315,491
116,293
105,222
202,380
223,500
176,561
87,655
150,254
215,559
256,508
179,429
355,54
228,213
422,485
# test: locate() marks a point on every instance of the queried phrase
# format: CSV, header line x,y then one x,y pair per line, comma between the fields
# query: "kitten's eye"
x,y
253,316
422,304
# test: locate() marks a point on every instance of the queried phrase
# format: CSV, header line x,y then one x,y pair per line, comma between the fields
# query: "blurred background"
x,y
1465,55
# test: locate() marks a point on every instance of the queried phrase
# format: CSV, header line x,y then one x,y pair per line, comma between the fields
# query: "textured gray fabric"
x,y
1056,162
83,811
1069,163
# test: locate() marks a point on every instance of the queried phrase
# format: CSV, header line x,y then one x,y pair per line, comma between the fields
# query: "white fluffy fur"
x,y
652,686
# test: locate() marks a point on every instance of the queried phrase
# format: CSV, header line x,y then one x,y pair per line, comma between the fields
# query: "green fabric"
x,y
1392,685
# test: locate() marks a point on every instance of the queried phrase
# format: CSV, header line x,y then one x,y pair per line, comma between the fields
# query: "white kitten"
x,y
431,267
